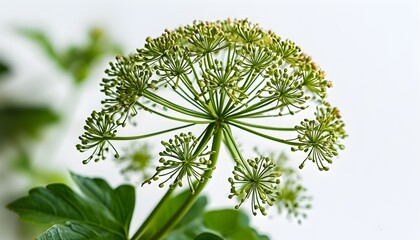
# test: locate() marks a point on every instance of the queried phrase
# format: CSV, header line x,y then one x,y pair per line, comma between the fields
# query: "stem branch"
x,y
177,216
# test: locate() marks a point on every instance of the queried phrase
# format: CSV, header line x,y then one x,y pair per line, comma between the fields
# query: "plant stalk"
x,y
142,229
177,216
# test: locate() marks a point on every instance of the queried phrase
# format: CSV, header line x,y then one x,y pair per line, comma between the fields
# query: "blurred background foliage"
x,y
294,201
20,123
77,61
23,125
4,69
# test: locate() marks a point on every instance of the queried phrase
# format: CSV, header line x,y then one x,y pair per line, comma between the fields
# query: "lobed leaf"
x,y
229,224
74,230
99,212
208,236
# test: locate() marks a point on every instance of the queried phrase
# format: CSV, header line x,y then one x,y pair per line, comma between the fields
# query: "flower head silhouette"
x,y
224,76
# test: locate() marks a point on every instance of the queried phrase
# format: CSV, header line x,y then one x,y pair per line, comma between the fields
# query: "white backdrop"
x,y
369,49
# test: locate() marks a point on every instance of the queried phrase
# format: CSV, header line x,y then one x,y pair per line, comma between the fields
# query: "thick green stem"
x,y
208,133
177,216
143,227
234,149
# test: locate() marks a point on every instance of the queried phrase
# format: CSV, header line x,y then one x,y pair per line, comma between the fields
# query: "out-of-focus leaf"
x,y
18,121
22,162
4,68
100,212
75,60
79,59
43,42
208,236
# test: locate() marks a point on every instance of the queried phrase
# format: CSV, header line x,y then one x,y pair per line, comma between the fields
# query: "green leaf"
x,y
27,121
225,221
44,42
208,236
120,202
161,217
229,224
191,224
22,162
73,230
196,211
99,212
4,68
76,60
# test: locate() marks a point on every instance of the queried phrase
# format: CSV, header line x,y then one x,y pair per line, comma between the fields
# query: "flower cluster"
x,y
286,89
256,179
320,137
135,159
294,200
99,130
219,77
182,159
126,84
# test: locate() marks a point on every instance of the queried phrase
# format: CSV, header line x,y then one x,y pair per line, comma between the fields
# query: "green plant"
x,y
219,77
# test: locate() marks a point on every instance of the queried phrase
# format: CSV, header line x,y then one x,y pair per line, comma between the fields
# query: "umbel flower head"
x,y
99,130
220,77
181,159
320,137
126,83
257,180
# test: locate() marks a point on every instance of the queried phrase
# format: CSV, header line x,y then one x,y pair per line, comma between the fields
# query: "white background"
x,y
369,49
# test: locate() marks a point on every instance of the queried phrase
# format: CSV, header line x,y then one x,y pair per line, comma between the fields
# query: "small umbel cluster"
x,y
182,159
258,180
100,129
215,78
